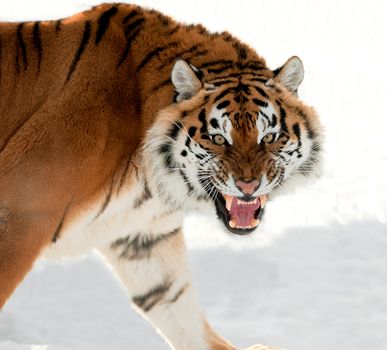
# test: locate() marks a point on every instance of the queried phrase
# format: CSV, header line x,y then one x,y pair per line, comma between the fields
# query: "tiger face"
x,y
236,143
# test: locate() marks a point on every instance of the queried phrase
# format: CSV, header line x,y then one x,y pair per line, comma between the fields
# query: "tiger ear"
x,y
186,80
290,74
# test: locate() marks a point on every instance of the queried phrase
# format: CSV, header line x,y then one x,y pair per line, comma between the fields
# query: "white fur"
x,y
262,124
224,122
181,321
291,73
185,80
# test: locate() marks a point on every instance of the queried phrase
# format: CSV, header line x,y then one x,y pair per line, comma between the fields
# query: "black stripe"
x,y
146,195
164,148
37,42
240,50
131,32
180,54
222,82
282,119
260,103
311,133
154,53
103,23
169,163
223,93
58,24
134,25
255,65
219,70
260,91
129,16
22,45
60,225
81,48
192,131
127,48
107,198
202,118
259,80
186,181
296,130
179,293
140,246
155,295
123,176
172,31
215,63
273,120
238,75
224,104
264,115
177,126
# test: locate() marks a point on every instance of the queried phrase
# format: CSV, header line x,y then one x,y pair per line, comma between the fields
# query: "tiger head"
x,y
236,143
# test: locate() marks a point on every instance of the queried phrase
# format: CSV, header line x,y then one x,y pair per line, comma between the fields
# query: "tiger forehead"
x,y
242,104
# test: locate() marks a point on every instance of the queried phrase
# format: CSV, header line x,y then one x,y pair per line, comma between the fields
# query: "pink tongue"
x,y
243,213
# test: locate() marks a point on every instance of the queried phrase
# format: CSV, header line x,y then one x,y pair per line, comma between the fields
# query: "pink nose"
x,y
247,187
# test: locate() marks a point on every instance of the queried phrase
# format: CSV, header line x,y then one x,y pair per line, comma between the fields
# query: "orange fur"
x,y
76,99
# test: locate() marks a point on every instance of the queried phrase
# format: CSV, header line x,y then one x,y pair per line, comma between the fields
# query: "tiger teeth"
x,y
232,223
255,222
228,200
263,200
241,202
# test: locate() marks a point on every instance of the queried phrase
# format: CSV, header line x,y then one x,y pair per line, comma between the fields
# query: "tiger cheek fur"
x,y
110,133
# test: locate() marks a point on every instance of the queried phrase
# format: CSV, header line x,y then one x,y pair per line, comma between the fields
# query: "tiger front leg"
x,y
154,270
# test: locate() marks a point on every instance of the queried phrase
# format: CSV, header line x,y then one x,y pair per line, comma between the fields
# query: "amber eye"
x,y
218,139
269,138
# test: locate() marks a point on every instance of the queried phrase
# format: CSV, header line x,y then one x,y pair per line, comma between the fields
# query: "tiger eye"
x,y
269,138
218,139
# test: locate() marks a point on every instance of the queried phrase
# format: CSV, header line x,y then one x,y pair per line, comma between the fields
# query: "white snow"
x,y
315,276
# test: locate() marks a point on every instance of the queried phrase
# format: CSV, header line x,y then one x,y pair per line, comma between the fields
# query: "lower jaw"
x,y
239,231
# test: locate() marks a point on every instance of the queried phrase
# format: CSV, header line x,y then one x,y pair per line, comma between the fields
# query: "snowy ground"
x,y
315,276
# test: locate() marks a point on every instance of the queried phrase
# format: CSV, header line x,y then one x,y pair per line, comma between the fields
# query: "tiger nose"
x,y
247,187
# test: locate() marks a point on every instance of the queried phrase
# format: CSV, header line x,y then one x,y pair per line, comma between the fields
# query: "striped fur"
x,y
115,122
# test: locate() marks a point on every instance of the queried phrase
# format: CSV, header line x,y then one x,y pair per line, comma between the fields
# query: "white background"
x,y
315,276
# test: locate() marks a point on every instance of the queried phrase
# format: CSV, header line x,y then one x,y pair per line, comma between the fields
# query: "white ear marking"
x,y
185,80
291,74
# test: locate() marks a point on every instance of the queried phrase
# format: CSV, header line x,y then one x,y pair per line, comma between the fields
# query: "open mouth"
x,y
240,216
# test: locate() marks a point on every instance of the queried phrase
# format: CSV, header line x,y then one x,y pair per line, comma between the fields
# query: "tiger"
x,y
118,121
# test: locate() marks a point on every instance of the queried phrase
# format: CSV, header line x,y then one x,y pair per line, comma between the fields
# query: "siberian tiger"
x,y
114,123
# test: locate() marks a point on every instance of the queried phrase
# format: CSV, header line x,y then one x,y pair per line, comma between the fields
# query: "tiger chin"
x,y
117,121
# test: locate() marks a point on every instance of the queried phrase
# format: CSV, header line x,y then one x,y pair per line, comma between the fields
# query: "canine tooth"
x,y
255,201
239,201
263,200
228,201
232,223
